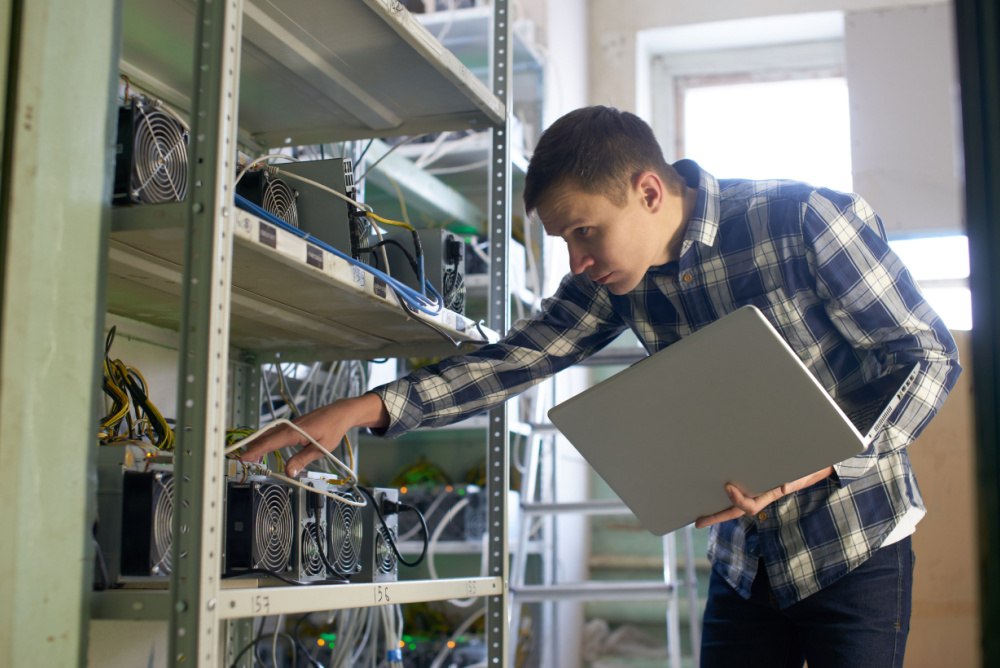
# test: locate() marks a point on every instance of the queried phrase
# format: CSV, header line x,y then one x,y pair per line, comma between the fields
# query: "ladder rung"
x,y
594,591
599,507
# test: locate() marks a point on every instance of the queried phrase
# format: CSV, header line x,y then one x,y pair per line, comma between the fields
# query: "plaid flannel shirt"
x,y
816,263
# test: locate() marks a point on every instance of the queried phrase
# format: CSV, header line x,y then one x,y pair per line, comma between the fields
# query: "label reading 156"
x,y
382,595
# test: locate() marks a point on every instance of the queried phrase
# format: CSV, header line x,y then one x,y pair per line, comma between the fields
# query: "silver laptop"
x,y
731,402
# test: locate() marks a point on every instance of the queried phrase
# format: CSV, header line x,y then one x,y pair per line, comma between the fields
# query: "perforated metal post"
x,y
498,441
197,531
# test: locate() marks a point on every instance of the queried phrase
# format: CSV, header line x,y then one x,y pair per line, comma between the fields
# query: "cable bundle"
x,y
132,416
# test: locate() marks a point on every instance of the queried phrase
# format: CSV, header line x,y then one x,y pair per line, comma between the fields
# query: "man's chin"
x,y
621,287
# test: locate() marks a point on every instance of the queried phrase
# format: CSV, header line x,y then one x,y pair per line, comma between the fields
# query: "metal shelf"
x,y
315,72
289,296
267,73
237,602
466,33
457,547
463,165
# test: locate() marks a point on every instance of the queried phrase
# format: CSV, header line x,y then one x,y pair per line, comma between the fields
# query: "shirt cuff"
x,y
856,467
404,406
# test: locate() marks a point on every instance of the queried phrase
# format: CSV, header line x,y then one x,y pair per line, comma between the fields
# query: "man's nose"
x,y
579,260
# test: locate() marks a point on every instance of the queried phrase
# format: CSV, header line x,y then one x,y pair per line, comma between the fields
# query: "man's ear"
x,y
651,190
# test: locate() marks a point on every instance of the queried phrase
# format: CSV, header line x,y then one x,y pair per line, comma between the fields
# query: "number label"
x,y
471,588
261,604
382,595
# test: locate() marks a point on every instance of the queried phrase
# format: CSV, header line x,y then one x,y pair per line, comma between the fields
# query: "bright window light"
x,y
791,129
934,258
941,267
953,304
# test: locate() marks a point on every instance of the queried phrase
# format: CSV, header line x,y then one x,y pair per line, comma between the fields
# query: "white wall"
x,y
614,26
902,77
905,117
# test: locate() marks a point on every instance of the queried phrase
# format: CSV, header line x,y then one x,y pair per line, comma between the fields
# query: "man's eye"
x,y
582,231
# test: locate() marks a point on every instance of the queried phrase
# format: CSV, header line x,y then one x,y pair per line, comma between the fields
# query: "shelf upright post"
x,y
198,468
498,438
58,72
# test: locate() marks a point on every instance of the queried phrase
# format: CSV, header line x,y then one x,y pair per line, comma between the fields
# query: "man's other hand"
x,y
744,504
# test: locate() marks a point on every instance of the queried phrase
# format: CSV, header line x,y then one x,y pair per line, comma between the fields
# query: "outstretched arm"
x,y
327,425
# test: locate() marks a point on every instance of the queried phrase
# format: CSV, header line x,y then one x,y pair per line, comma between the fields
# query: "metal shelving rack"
x,y
269,73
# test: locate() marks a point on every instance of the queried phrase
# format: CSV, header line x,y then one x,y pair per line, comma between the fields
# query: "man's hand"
x,y
327,425
744,504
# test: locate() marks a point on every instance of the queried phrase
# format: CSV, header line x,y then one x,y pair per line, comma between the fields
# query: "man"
x,y
818,569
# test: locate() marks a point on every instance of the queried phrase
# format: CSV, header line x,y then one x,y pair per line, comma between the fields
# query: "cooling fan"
x,y
271,193
311,538
385,558
312,533
147,516
151,164
378,559
260,527
346,528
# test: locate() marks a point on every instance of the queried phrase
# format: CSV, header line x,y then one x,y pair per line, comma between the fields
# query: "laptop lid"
x,y
731,402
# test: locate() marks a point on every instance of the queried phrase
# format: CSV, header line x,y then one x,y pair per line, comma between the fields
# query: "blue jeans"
x,y
860,621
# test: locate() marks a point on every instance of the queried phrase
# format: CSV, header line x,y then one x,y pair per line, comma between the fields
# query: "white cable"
x,y
274,639
440,171
264,158
431,509
429,153
462,628
432,546
316,184
351,480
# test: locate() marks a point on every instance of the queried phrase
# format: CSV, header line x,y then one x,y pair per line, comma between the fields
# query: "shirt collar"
x,y
703,225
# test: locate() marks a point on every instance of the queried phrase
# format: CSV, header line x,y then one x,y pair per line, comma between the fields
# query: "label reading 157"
x,y
261,604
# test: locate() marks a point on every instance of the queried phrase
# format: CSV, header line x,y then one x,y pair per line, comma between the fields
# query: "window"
x,y
794,128
941,267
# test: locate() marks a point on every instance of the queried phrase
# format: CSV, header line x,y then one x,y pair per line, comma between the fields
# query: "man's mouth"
x,y
603,279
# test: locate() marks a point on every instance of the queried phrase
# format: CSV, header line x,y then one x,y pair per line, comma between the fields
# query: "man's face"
x,y
613,245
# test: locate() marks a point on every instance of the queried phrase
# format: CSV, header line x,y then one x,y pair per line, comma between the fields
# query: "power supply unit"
x,y
378,559
321,214
147,523
271,193
261,527
435,503
311,555
469,523
151,155
347,532
134,515
444,263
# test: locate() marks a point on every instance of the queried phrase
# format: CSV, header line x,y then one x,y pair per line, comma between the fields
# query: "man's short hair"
x,y
598,150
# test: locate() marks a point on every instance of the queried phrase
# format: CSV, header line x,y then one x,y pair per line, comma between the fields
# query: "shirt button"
x,y
687,278
762,516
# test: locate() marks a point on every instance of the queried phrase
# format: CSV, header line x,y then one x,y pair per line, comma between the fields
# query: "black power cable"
x,y
396,507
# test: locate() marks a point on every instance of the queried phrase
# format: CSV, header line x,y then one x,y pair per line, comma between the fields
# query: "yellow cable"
x,y
387,221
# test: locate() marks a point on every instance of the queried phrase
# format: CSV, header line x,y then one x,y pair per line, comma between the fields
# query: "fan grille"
x,y
279,200
312,561
273,528
163,518
346,532
159,156
385,558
